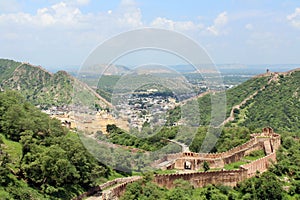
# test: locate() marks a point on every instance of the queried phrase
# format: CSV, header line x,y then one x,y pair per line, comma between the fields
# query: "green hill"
x,y
7,67
41,87
39,158
277,105
271,99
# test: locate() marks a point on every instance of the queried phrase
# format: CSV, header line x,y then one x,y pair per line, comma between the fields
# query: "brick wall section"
x,y
200,179
115,190
260,165
234,150
218,160
118,190
226,177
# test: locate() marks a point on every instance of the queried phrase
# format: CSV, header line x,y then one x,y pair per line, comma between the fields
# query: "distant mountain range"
x,y
183,68
40,86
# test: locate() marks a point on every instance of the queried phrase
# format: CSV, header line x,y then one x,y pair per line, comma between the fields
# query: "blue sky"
x,y
61,33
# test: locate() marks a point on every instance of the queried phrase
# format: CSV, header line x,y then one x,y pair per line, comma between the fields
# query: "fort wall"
x,y
118,190
224,177
112,193
200,179
259,165
217,160
267,140
264,140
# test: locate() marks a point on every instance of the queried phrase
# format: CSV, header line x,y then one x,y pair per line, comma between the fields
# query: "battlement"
x,y
200,179
261,164
267,140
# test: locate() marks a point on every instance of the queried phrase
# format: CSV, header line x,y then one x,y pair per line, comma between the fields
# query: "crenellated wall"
x,y
260,165
118,190
200,179
224,177
217,160
265,140
112,193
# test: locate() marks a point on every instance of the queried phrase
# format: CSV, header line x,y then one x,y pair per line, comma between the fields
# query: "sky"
x,y
57,34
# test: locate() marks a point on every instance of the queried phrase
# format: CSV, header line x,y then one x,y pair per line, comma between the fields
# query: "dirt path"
x,y
184,147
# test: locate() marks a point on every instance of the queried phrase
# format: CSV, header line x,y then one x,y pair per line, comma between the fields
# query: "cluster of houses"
x,y
147,107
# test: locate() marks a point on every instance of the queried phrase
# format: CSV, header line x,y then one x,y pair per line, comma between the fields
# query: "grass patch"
x,y
235,165
254,155
14,149
165,171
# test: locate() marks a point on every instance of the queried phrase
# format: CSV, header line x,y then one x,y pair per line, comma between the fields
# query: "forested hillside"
x,y
40,159
275,103
278,105
41,87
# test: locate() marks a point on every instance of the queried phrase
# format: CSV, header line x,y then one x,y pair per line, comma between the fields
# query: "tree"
x,y
133,191
206,166
266,186
110,128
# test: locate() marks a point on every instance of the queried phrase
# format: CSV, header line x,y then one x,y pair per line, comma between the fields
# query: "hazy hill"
x,y
40,86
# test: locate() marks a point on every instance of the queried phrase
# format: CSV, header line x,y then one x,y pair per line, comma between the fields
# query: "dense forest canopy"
x,y
40,159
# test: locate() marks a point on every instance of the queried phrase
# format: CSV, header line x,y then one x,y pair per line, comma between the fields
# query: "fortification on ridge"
x,y
190,161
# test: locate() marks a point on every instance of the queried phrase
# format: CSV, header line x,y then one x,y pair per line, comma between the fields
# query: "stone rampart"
x,y
260,165
226,177
116,191
168,157
200,179
216,160
194,161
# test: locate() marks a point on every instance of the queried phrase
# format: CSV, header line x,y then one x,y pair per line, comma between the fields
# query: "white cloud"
x,y
161,22
249,27
62,16
62,27
133,18
58,14
294,18
218,25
